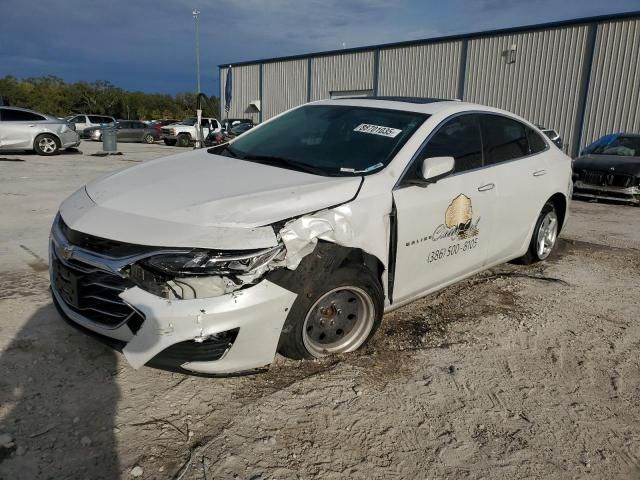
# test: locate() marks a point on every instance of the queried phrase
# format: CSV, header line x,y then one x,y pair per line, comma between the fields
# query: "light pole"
x,y
196,16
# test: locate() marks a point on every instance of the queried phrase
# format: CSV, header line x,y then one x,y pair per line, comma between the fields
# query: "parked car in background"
x,y
240,129
22,129
83,121
299,234
126,131
229,123
609,169
217,138
183,133
158,124
552,135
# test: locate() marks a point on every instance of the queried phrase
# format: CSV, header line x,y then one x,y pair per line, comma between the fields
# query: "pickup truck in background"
x,y
183,133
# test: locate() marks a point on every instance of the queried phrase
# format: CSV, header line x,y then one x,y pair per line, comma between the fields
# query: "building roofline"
x,y
447,38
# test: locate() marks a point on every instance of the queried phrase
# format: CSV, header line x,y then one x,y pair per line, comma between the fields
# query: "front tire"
x,y
148,138
184,140
46,144
340,315
545,236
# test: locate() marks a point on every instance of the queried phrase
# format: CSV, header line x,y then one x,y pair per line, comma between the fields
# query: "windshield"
x,y
622,146
191,121
330,140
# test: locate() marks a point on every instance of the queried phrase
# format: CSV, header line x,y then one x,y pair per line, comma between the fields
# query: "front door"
x,y
443,228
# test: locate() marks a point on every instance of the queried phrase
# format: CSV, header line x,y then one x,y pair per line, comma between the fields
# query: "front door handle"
x,y
539,173
487,187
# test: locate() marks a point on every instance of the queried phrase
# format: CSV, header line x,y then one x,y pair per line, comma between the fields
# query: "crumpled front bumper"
x,y
605,192
257,312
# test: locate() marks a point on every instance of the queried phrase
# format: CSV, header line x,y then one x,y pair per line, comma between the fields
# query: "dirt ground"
x,y
519,372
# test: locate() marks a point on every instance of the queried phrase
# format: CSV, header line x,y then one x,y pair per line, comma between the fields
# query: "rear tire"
x,y
46,144
339,313
184,140
170,143
545,236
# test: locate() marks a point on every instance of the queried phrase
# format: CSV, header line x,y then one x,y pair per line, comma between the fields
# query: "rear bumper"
x,y
629,194
69,139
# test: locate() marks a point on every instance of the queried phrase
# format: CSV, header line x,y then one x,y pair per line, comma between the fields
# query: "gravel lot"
x,y
518,372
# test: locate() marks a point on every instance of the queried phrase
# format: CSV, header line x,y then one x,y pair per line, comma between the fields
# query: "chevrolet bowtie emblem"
x,y
66,252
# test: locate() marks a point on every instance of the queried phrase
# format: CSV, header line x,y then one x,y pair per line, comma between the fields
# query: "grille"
x,y
166,131
94,294
591,177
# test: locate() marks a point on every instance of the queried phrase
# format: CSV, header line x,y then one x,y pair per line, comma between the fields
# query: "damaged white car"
x,y
297,236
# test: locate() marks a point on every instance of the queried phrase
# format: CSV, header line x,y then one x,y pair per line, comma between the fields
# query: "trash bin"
x,y
109,140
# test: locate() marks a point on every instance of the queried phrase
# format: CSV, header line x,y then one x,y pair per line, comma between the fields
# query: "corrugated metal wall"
x,y
284,85
582,79
429,70
541,85
353,71
246,89
613,102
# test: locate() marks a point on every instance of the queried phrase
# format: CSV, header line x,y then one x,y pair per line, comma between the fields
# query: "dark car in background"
x,y
609,169
126,131
229,123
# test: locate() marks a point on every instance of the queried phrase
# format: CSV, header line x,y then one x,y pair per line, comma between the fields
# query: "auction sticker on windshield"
x,y
377,130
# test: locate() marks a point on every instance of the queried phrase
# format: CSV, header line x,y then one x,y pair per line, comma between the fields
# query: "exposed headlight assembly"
x,y
207,262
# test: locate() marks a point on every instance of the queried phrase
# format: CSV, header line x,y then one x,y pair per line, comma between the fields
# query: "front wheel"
x,y
338,316
184,140
148,138
46,144
545,235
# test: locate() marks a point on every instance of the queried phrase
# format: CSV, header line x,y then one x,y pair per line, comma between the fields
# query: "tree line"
x,y
53,96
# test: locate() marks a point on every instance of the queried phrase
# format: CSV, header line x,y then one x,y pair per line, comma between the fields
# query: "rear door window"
x,y
503,139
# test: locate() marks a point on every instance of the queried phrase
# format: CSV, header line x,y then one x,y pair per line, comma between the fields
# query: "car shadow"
x,y
58,399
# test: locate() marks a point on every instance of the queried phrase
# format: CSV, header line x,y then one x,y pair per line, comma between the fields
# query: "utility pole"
x,y
196,16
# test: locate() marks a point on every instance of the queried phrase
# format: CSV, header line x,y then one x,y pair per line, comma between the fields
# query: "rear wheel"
x,y
148,138
46,144
545,236
338,316
169,142
184,140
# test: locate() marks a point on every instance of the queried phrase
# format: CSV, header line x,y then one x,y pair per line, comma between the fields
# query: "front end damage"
x,y
194,310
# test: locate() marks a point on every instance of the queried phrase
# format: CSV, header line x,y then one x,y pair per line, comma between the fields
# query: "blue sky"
x,y
149,44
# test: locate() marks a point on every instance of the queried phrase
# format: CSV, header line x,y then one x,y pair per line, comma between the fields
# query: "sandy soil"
x,y
520,372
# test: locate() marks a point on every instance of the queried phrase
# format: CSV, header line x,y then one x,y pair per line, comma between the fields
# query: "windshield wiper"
x,y
285,162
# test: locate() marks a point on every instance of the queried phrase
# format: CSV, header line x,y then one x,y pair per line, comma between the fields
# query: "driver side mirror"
x,y
435,168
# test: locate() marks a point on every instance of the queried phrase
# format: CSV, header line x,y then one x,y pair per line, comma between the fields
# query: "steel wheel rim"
x,y
339,321
547,235
47,145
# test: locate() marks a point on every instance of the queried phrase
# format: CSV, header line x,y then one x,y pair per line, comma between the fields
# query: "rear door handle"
x,y
488,186
539,173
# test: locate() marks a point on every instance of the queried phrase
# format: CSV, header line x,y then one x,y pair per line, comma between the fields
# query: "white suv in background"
x,y
83,121
184,132
299,234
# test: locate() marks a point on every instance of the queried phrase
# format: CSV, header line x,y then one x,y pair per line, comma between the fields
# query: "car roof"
x,y
430,106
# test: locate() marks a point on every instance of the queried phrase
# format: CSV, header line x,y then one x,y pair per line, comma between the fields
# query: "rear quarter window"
x,y
9,115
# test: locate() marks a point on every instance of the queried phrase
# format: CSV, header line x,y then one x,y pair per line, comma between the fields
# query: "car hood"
x,y
203,191
609,163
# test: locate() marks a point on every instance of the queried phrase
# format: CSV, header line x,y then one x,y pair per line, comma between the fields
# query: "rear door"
x,y
515,156
18,128
124,131
443,228
137,131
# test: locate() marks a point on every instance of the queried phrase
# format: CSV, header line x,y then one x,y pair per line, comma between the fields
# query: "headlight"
x,y
206,262
172,131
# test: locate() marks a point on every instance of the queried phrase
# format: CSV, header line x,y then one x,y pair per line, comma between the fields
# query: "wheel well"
x,y
184,134
55,137
560,203
327,257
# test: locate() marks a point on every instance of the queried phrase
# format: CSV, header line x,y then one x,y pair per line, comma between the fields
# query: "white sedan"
x,y
297,236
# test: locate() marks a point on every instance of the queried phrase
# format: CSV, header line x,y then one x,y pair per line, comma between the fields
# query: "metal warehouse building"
x,y
581,77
